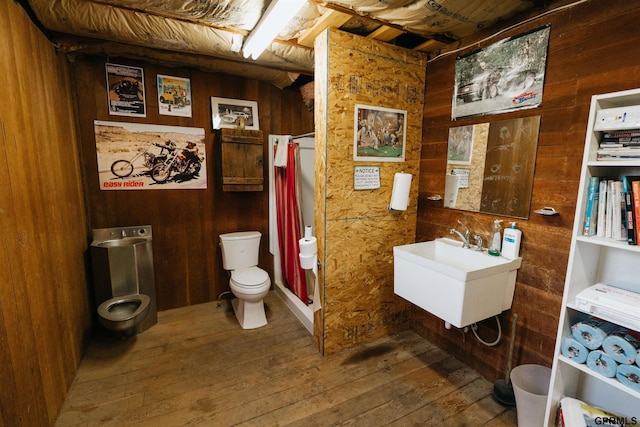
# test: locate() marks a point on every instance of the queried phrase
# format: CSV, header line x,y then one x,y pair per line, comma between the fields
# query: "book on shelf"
x,y
619,145
602,208
635,191
611,214
576,413
619,153
618,225
629,212
630,133
591,214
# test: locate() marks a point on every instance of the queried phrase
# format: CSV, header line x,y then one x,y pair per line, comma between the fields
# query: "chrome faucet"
x,y
466,237
479,242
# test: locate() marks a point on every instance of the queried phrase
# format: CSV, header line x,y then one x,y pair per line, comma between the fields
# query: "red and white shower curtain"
x,y
289,220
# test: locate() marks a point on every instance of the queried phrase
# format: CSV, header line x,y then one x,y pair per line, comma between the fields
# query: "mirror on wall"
x,y
490,167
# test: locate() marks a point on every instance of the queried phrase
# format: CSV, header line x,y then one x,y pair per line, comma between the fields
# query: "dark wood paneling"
x,y
186,223
43,290
593,48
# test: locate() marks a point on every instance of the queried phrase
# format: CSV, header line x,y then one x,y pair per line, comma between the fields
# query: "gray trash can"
x,y
530,387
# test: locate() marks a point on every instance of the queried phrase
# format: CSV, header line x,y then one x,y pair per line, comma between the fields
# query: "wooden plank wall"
x,y
594,48
356,248
186,223
44,316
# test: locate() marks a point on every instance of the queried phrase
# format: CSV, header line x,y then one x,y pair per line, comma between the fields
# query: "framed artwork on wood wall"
x,y
234,113
505,76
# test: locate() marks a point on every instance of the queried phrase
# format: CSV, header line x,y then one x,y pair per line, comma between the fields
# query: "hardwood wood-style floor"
x,y
197,367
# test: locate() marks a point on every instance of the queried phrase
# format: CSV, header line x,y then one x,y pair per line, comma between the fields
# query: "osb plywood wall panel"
x,y
359,233
44,315
585,58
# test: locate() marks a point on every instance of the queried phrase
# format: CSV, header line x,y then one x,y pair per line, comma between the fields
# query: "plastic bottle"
x,y
496,238
511,242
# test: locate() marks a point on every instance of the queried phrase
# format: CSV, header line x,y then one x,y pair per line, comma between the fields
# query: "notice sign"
x,y
366,177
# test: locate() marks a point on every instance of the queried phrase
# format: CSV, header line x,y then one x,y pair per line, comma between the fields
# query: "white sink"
x,y
461,286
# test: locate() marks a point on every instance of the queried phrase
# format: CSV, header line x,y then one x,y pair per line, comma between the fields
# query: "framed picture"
x,y
234,113
505,76
174,96
460,146
379,134
125,90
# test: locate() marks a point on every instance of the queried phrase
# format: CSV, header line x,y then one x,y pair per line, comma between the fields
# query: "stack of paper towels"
x,y
606,348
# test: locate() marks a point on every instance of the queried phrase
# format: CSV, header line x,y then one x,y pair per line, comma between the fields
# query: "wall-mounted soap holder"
x,y
547,211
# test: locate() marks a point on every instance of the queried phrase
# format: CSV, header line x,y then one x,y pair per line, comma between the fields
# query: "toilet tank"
x,y
240,249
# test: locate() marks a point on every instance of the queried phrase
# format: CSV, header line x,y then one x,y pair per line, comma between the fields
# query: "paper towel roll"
x,y
622,347
400,191
573,350
598,361
629,375
591,332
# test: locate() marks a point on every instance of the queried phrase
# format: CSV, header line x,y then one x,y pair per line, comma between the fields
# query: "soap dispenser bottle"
x,y
511,242
496,238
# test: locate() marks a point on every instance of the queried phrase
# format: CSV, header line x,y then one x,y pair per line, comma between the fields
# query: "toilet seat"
x,y
249,278
112,318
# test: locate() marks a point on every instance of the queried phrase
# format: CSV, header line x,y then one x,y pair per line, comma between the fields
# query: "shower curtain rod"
x,y
304,135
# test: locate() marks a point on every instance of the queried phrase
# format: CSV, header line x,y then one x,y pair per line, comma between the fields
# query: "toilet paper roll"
x,y
573,350
629,375
400,191
308,262
591,332
621,346
308,247
599,362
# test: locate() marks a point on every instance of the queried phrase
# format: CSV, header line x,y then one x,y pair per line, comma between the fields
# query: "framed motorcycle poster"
x,y
137,156
125,90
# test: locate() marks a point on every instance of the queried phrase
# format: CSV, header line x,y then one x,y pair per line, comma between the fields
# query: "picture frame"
x,y
174,96
234,113
379,134
505,76
125,90
460,145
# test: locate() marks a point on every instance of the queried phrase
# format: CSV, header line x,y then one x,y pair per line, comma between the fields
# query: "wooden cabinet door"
x,y
241,158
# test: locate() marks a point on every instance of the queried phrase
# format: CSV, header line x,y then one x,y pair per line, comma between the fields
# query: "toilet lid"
x,y
252,276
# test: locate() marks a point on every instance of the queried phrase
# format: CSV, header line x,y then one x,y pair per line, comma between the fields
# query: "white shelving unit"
x,y
593,260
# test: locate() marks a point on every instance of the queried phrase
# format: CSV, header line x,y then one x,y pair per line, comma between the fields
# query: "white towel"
x,y
281,152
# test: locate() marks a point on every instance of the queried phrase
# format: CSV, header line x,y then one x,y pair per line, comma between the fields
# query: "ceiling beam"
x,y
330,19
385,33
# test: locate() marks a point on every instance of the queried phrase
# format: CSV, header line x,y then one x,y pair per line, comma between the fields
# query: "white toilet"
x,y
249,283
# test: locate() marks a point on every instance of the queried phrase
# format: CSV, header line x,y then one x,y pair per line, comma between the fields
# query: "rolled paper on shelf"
x,y
629,375
599,362
573,350
621,346
591,332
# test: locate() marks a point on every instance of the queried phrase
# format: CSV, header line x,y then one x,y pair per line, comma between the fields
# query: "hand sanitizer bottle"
x,y
511,242
496,238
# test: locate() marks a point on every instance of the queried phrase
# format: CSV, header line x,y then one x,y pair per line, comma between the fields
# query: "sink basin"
x,y
125,241
461,286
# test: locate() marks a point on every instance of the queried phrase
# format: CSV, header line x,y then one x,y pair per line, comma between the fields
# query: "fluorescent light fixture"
x,y
236,43
272,22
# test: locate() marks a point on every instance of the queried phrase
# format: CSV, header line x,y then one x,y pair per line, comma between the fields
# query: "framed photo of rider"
x,y
379,134
234,114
